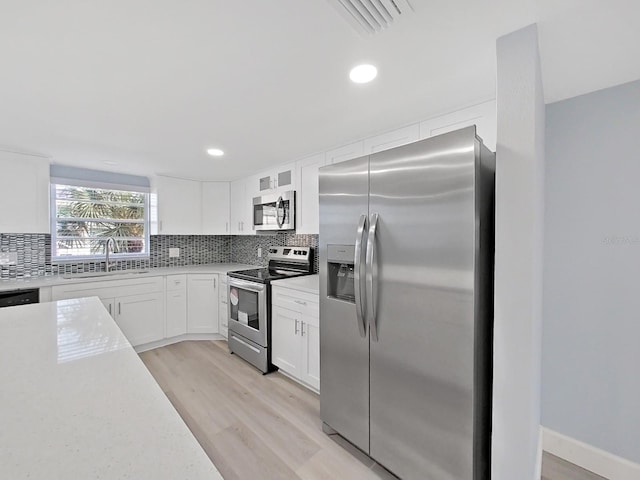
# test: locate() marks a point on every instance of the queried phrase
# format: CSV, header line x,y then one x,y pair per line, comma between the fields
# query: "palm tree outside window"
x,y
85,217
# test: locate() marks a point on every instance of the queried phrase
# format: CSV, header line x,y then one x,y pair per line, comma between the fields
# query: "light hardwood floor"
x,y
266,427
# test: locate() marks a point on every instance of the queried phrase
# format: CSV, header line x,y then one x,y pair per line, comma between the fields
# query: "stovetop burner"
x,y
284,262
265,275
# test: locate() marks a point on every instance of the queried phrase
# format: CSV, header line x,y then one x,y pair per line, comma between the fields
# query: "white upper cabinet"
x,y
483,116
24,195
279,179
344,153
215,208
179,206
307,200
241,208
392,139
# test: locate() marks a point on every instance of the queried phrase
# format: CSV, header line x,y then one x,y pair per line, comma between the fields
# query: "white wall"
x,y
518,274
591,330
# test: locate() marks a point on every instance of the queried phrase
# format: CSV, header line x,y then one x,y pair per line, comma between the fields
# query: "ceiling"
x,y
145,86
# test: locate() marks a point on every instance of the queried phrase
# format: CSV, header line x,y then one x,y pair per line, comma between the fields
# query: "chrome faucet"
x,y
107,262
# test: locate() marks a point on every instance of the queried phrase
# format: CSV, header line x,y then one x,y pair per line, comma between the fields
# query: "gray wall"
x,y
591,329
518,275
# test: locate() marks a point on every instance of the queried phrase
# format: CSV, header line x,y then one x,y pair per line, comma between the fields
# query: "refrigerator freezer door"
x,y
422,362
344,345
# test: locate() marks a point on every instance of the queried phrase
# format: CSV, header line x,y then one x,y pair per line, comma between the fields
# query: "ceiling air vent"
x,y
372,16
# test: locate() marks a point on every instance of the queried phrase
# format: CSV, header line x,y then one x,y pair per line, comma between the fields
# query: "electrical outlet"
x,y
174,252
8,258
259,252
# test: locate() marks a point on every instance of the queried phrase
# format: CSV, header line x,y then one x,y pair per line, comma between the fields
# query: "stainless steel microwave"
x,y
275,212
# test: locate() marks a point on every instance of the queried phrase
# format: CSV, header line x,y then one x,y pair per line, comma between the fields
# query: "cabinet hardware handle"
x,y
302,329
300,302
226,226
119,309
214,283
109,309
296,327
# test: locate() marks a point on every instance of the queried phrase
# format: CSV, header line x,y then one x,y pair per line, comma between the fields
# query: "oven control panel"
x,y
289,253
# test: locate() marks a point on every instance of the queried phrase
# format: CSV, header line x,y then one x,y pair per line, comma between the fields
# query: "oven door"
x,y
275,212
247,305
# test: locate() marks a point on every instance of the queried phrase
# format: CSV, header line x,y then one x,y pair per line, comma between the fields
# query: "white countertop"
x,y
306,283
77,402
51,280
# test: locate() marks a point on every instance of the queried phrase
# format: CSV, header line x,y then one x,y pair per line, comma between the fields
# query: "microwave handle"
x,y
278,205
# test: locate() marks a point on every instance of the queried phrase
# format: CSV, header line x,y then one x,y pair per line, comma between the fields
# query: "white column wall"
x,y
518,276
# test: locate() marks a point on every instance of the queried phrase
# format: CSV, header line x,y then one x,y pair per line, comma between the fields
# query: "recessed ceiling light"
x,y
363,73
215,152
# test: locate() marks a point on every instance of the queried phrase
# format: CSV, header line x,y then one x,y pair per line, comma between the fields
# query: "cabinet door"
x,y
310,365
307,204
241,208
215,208
202,303
344,153
392,139
176,313
483,116
110,305
179,206
141,317
285,341
285,177
24,177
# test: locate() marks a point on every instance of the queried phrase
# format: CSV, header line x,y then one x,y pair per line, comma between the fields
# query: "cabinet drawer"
x,y
108,288
306,304
176,283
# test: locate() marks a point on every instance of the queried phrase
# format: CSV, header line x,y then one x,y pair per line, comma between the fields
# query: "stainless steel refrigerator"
x,y
406,305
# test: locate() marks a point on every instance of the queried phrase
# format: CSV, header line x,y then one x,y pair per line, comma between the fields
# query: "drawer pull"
x,y
300,302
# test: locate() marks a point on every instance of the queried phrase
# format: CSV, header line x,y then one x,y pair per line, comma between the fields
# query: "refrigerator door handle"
x,y
372,276
357,265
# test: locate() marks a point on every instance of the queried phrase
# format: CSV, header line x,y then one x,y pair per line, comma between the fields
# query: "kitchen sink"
x,y
119,273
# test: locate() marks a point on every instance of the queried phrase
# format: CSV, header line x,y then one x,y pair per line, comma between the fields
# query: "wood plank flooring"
x,y
267,427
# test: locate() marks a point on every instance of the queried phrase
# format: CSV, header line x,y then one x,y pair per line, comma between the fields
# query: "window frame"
x,y
53,212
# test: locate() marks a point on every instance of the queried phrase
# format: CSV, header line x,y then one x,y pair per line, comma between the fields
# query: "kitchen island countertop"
x,y
77,402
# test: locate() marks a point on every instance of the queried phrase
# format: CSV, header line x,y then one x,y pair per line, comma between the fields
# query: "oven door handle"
x,y
279,203
246,285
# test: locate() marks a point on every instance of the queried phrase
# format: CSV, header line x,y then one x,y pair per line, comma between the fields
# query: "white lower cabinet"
x,y
137,306
151,309
141,318
286,341
295,339
176,305
202,303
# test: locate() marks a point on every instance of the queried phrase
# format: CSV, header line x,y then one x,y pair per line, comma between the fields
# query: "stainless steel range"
x,y
250,303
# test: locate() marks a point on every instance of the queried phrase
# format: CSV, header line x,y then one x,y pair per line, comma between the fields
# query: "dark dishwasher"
x,y
12,298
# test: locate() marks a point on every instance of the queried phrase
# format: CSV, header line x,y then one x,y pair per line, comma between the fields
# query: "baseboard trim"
x,y
180,338
589,457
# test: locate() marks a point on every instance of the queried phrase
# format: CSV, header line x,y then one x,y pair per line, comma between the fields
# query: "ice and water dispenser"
x,y
340,272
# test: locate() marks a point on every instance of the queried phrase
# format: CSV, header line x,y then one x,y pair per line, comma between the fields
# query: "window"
x,y
85,214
